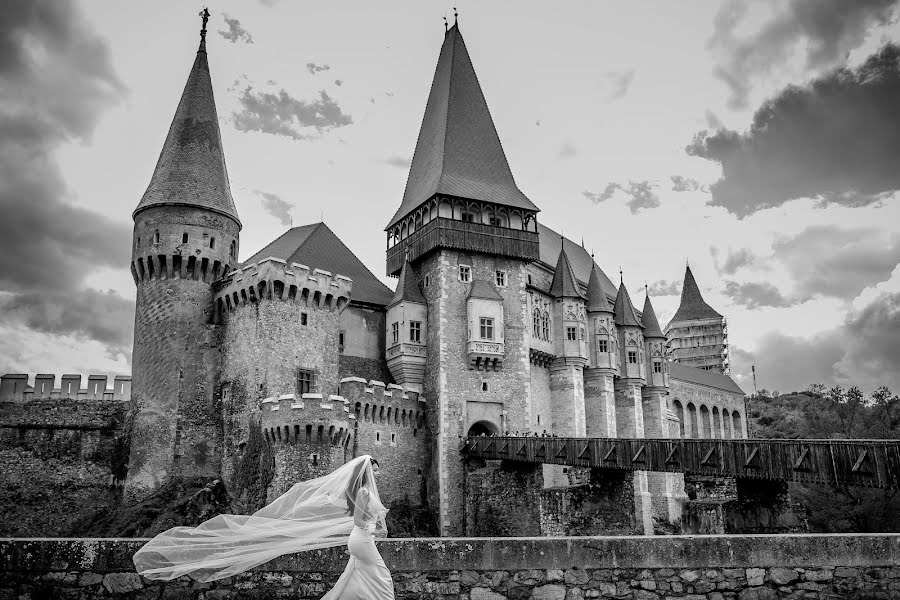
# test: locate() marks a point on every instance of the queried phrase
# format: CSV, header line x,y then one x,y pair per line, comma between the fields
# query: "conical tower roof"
x,y
191,167
624,311
650,322
407,288
564,284
597,298
692,304
458,151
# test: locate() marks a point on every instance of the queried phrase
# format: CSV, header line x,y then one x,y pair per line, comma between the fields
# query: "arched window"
x,y
679,412
545,325
233,250
536,323
736,421
693,427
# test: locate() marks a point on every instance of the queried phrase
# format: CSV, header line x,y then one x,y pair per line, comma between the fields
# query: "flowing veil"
x,y
311,514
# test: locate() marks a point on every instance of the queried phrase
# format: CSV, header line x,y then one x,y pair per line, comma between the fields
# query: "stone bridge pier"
x,y
737,505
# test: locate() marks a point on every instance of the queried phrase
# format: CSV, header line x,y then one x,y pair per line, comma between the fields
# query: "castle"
x,y
498,324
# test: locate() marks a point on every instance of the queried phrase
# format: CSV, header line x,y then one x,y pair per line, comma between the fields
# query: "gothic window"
x,y
545,326
536,323
465,273
602,346
501,278
415,331
487,328
395,332
571,334
657,366
632,357
306,381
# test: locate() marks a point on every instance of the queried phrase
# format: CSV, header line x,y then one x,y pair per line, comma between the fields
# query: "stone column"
x,y
599,403
630,421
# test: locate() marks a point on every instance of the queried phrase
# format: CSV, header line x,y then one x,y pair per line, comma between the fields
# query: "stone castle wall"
x,y
643,568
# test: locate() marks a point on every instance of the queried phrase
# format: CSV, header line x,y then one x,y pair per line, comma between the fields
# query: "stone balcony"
x,y
487,355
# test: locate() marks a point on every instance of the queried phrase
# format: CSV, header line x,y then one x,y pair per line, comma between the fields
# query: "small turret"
x,y
568,308
654,346
631,339
603,351
407,323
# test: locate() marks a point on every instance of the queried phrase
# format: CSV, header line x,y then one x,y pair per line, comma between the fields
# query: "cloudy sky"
x,y
760,140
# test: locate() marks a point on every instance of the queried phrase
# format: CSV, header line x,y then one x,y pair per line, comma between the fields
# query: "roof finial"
x,y
455,16
621,277
204,14
446,24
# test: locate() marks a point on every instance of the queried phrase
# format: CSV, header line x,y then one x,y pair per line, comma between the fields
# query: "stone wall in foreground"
x,y
757,567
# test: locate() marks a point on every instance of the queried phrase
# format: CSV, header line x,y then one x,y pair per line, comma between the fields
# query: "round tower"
x,y
599,396
186,236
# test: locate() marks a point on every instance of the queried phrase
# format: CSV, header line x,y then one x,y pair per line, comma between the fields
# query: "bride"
x,y
338,508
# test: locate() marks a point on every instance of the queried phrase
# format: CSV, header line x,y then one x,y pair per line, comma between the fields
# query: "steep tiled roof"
x,y
458,151
597,298
407,288
703,377
191,167
624,310
564,284
650,322
483,289
316,246
551,244
692,304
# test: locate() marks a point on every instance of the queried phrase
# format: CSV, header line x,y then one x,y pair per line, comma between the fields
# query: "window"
x,y
487,328
427,280
632,357
233,250
304,318
306,381
377,437
139,242
415,331
393,439
341,341
536,323
156,236
484,386
545,326
501,278
529,279
657,366
602,346
184,238
395,331
465,273
571,334
212,242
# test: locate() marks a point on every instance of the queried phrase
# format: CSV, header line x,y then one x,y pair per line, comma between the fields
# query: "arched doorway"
x,y
482,428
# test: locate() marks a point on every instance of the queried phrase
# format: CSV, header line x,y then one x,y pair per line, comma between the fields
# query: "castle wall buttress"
x,y
452,385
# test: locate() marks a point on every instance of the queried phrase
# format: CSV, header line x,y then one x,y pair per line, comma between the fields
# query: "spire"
x,y
458,151
191,167
624,311
649,320
564,284
692,304
407,288
597,299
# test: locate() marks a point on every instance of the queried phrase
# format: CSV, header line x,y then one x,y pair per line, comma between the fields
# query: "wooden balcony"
x,y
463,235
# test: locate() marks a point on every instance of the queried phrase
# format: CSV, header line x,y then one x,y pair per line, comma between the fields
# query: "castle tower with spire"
x,y
697,335
186,236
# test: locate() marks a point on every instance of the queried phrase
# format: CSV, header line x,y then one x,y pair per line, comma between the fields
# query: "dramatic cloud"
x,y
281,114
313,68
56,78
619,83
737,260
398,161
834,140
236,33
640,194
826,29
686,184
275,206
756,295
567,150
838,262
664,288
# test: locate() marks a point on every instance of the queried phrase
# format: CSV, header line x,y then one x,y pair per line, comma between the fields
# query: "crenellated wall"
x,y
15,387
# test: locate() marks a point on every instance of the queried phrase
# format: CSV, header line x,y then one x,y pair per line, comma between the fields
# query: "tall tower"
x,y
697,335
469,232
186,232
570,343
599,398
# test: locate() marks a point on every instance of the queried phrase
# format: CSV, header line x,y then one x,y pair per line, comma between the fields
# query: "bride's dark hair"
x,y
357,480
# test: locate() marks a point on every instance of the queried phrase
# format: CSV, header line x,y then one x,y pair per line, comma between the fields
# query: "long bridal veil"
x,y
311,514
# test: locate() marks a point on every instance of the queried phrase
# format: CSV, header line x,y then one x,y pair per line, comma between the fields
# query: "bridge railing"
x,y
866,463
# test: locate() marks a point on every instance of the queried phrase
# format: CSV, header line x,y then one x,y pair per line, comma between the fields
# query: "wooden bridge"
x,y
865,463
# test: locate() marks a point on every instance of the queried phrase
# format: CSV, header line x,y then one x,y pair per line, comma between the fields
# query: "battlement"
x,y
14,387
155,267
272,279
373,401
311,418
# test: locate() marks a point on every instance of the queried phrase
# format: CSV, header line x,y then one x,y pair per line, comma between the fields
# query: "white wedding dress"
x,y
366,577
